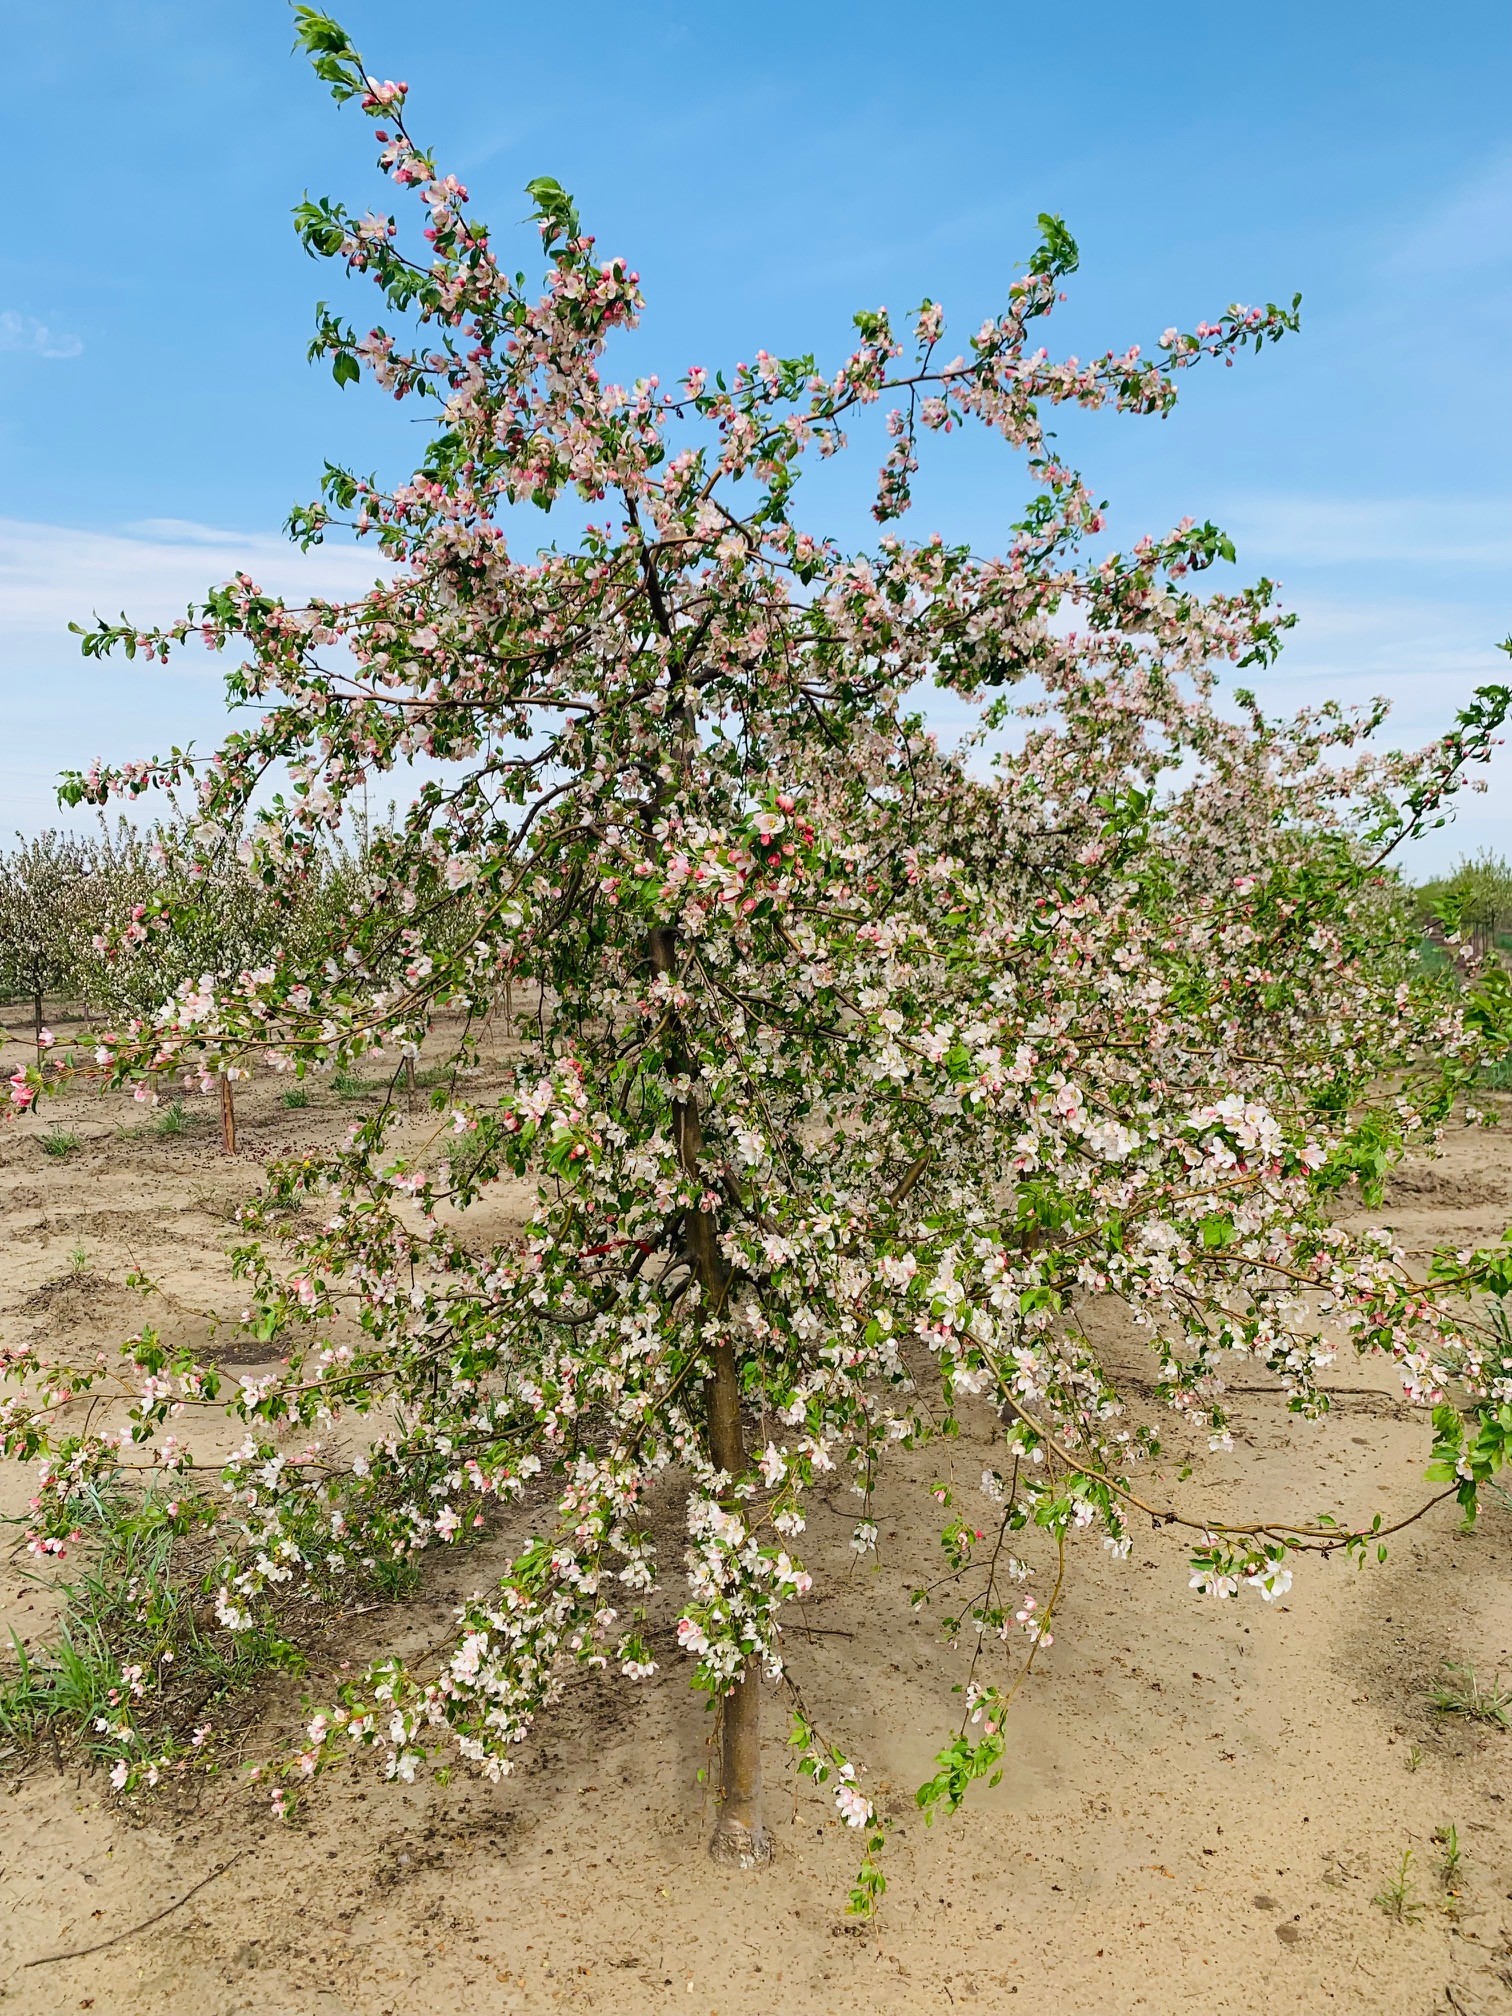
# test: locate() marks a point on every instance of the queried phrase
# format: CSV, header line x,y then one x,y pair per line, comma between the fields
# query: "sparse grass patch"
x,y
1434,957
140,1676
296,1096
139,1661
349,1085
1464,1693
174,1119
60,1141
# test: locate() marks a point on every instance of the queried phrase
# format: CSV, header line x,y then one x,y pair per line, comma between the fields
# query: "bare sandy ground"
x,y
1200,1802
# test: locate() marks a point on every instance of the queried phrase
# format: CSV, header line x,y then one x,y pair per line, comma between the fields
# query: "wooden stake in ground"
x,y
228,1116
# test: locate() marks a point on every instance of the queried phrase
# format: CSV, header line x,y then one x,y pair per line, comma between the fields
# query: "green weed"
x,y
173,1119
395,1577
296,1096
1396,1898
59,1141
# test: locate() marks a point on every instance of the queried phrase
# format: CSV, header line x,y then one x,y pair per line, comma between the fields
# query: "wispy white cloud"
x,y
1465,230
61,709
1425,653
1402,598
51,575
186,531
26,333
1417,651
1426,657
1308,530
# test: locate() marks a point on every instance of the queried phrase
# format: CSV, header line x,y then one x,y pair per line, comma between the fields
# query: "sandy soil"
x,y
1198,1807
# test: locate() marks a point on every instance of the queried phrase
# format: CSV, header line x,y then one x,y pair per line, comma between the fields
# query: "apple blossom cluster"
x,y
865,1068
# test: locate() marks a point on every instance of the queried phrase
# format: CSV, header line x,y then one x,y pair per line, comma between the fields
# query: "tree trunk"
x,y
228,1116
739,1840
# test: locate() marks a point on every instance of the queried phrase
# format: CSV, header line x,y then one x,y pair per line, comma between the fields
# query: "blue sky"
x,y
769,172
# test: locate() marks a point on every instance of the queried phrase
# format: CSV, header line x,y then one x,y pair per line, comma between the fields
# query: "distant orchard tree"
x,y
1474,902
42,913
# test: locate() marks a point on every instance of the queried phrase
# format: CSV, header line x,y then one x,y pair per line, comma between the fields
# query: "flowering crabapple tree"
x,y
864,1068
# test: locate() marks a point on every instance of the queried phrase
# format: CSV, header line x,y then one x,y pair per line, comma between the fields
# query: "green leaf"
x,y
555,209
319,34
1057,253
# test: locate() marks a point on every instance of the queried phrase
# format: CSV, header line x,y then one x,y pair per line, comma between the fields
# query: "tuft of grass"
x,y
79,1262
296,1096
60,1141
173,1119
138,1660
1465,1693
1396,1897
1414,1757
395,1577
349,1085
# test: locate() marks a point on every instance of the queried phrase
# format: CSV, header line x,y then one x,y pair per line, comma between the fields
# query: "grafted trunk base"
x,y
739,1840
734,1845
